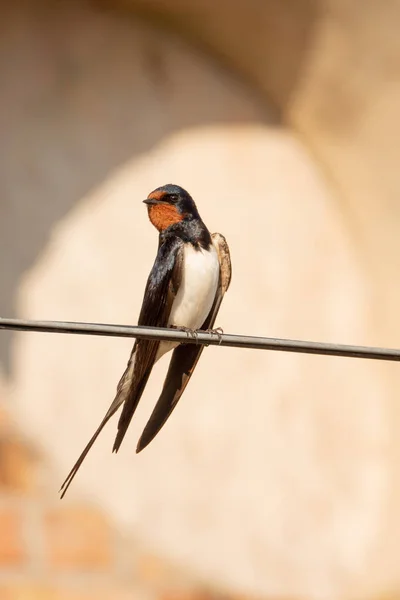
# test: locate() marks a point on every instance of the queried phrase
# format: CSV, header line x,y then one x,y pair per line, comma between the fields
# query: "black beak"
x,y
152,201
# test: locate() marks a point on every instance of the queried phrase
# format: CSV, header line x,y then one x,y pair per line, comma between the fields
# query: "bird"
x,y
189,278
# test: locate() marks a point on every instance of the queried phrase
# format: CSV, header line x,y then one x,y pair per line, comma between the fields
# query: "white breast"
x,y
198,287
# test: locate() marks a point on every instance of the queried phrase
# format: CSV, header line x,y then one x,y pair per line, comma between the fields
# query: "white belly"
x,y
198,287
193,302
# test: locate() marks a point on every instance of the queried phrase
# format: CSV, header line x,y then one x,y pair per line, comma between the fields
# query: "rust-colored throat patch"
x,y
163,215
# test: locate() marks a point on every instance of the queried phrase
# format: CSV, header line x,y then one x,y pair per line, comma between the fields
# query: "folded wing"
x,y
185,357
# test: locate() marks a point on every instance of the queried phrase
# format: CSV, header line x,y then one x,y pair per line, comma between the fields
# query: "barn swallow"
x,y
190,275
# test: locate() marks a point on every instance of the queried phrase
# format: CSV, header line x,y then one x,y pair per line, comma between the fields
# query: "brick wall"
x,y
63,550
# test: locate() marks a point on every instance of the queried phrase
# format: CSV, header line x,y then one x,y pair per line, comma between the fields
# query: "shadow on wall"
x,y
83,91
266,42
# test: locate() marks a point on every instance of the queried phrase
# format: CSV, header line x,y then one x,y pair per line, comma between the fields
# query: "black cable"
x,y
200,337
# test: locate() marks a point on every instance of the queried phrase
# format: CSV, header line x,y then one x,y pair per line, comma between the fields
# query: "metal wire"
x,y
202,337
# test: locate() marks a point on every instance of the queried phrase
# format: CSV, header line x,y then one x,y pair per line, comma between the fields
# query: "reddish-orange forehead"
x,y
156,195
163,215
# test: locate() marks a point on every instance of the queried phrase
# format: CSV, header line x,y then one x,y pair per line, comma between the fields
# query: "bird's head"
x,y
170,204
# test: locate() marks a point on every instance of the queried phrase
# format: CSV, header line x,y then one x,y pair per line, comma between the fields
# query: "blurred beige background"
x,y
277,476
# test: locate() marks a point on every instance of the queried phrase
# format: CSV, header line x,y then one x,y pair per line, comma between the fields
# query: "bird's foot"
x,y
191,333
218,332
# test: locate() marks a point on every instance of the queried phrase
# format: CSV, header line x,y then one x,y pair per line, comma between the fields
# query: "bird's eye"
x,y
173,197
